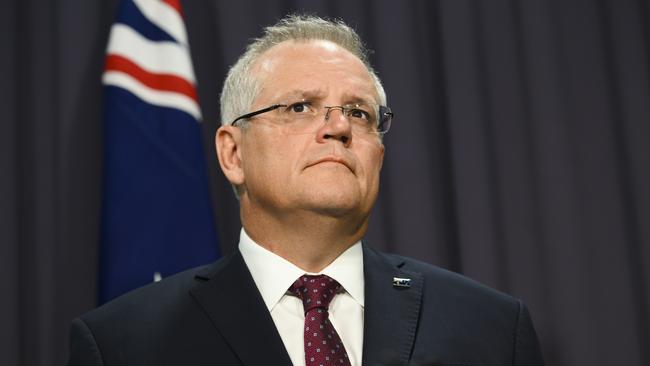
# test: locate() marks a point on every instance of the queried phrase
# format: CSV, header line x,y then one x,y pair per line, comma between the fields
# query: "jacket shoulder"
x,y
451,284
159,323
148,300
467,320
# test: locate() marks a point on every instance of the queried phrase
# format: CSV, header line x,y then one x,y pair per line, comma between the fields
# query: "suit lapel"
x,y
391,313
230,298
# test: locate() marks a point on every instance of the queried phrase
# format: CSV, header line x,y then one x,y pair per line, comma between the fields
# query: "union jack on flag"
x,y
156,212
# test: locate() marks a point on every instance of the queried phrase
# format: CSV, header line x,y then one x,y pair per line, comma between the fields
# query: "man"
x,y
301,143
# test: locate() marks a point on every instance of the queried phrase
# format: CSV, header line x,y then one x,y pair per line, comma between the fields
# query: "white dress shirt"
x,y
273,276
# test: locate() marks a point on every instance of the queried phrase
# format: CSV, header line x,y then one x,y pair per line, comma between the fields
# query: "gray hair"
x,y
241,88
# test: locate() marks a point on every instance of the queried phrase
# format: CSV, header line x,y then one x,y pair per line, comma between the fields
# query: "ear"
x,y
228,143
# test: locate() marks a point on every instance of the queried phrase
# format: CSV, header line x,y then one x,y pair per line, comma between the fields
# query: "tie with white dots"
x,y
323,345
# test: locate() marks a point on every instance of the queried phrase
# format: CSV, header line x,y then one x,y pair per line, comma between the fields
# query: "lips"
x,y
333,159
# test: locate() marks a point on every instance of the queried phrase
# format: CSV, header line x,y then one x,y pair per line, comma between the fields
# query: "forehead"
x,y
314,67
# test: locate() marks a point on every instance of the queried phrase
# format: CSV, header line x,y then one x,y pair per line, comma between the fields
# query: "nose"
x,y
336,126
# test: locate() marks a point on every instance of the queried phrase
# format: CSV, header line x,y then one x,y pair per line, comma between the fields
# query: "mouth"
x,y
333,159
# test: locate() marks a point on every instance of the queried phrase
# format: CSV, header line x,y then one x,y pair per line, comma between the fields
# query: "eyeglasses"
x,y
299,117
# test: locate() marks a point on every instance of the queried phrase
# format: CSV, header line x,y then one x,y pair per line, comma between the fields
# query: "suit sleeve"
x,y
83,348
527,350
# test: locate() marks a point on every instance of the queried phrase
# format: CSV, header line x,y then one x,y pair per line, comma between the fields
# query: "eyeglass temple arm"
x,y
255,113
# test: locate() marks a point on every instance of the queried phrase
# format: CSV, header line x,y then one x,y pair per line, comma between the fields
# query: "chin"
x,y
334,203
335,211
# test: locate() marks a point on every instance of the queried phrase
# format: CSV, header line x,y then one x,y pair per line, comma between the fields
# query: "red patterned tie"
x,y
323,345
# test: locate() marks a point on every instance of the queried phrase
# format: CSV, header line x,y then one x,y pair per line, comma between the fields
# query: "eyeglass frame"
x,y
383,110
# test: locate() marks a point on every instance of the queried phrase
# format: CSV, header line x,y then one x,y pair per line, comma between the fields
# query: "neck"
x,y
309,240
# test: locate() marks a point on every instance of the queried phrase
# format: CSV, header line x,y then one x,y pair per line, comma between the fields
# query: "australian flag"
x,y
156,213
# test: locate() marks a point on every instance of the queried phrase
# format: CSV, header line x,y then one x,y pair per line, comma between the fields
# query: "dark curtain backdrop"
x,y
519,155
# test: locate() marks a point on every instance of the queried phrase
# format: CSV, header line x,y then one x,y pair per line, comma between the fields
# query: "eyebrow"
x,y
348,98
303,94
355,98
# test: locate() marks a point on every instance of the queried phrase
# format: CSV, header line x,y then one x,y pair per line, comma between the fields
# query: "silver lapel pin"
x,y
401,282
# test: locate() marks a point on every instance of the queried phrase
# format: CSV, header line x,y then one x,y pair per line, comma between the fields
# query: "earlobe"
x,y
228,144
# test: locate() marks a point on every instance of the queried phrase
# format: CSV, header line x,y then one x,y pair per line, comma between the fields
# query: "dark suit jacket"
x,y
214,315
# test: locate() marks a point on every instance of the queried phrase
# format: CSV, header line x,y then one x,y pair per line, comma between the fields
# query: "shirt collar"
x,y
273,275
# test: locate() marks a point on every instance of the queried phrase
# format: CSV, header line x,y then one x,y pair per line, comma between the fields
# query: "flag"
x,y
156,212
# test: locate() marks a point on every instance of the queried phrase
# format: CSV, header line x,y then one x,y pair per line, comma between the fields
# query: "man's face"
x,y
331,171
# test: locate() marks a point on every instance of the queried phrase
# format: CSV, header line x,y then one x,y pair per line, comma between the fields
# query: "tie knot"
x,y
315,291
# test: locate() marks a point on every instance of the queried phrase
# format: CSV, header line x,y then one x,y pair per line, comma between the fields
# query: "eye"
x,y
359,113
299,107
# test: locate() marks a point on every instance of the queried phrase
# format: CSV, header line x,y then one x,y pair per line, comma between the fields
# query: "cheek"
x,y
269,160
374,156
372,163
256,155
